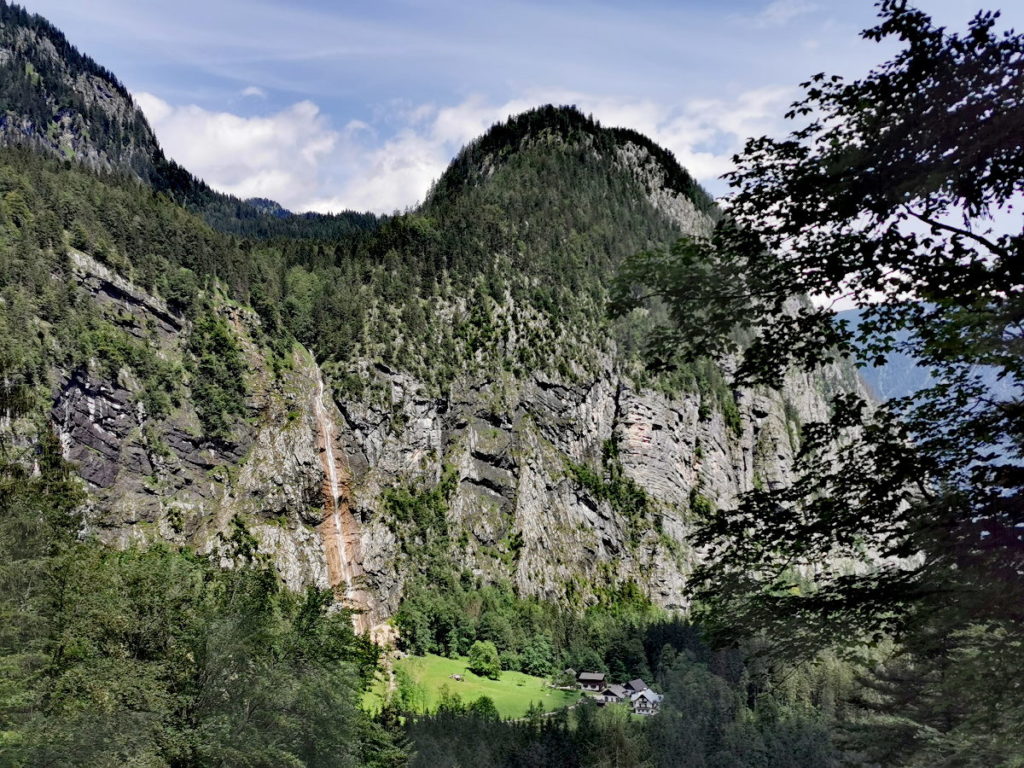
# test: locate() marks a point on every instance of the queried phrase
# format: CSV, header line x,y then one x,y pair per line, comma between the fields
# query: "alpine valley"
x,y
390,408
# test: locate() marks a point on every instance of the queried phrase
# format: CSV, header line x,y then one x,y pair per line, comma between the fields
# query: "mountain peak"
x,y
569,125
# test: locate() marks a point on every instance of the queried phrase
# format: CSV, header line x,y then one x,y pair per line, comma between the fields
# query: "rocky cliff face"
x,y
159,479
520,503
565,486
277,488
568,488
55,100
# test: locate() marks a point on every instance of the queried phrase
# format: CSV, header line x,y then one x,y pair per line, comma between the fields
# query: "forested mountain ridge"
x,y
478,159
61,102
472,413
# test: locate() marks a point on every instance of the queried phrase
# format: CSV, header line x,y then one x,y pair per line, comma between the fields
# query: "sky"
x,y
326,106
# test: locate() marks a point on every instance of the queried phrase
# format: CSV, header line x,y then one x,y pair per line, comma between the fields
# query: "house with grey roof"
x,y
613,694
641,699
637,685
591,681
645,702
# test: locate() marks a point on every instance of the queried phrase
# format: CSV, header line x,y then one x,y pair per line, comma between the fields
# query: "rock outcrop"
x,y
519,504
339,530
558,473
541,465
158,478
564,486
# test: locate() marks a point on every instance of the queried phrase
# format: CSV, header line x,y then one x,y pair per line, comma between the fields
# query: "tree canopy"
x,y
483,659
895,193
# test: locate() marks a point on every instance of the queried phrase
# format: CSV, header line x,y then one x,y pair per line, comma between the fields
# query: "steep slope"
x,y
470,409
188,420
171,410
551,458
62,103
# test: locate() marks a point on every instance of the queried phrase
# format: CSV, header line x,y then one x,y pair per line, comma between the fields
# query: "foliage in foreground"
x,y
910,515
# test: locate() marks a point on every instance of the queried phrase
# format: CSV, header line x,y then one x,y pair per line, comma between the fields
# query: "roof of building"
x,y
648,694
637,685
595,677
616,690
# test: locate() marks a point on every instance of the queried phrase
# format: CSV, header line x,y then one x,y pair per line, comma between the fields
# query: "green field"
x,y
512,693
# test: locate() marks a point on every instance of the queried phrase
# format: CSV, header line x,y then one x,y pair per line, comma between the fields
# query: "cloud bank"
x,y
297,157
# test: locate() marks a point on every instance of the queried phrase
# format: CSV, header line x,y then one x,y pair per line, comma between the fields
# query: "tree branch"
x,y
957,231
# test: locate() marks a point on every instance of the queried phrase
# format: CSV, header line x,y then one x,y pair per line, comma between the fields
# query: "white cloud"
x,y
277,156
297,158
702,134
391,177
254,91
156,110
778,13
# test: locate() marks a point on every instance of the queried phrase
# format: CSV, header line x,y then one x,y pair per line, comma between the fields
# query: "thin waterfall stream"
x,y
340,530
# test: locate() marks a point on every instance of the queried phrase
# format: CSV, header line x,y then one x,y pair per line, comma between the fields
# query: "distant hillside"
x,y
430,418
58,101
903,375
269,207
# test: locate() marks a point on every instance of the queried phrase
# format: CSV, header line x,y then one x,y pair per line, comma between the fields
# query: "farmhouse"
x,y
641,699
645,702
613,694
635,686
591,681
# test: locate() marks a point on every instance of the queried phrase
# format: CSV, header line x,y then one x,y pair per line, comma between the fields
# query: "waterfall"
x,y
339,530
327,435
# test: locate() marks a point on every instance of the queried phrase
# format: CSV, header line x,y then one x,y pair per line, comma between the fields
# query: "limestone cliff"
x,y
469,399
534,459
534,466
159,479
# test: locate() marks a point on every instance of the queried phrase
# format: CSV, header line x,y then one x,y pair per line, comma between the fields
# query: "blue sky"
x,y
331,105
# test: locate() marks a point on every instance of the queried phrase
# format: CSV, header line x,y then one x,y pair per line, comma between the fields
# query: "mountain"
x,y
384,406
902,374
55,100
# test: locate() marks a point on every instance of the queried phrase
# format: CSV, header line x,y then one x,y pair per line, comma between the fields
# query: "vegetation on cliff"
x,y
156,656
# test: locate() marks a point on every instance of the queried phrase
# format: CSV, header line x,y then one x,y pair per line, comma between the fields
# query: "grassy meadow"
x,y
426,677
